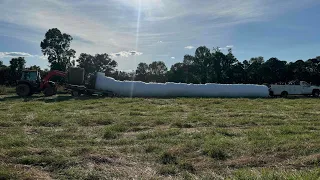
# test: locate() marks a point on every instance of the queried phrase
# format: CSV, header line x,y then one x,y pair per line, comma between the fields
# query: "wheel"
x,y
75,93
89,93
316,93
284,94
49,91
23,90
271,94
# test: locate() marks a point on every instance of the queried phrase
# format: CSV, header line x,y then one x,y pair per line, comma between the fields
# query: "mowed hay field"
x,y
185,138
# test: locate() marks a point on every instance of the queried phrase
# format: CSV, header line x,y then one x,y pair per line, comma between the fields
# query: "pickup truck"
x,y
294,88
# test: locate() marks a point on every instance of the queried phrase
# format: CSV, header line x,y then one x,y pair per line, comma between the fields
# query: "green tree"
x,y
178,73
142,72
97,63
253,70
35,67
274,71
158,71
202,59
16,67
5,76
228,66
56,46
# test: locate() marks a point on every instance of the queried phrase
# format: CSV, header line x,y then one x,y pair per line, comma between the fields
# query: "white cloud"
x,y
160,42
173,57
229,46
222,49
14,54
41,57
189,47
125,54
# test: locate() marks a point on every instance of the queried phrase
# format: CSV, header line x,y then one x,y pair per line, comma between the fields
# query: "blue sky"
x,y
167,29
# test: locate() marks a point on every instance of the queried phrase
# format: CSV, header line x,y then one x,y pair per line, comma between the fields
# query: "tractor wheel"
x,y
316,93
49,91
284,94
23,90
75,93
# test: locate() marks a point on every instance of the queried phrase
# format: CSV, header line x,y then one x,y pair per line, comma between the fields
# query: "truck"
x,y
32,83
294,88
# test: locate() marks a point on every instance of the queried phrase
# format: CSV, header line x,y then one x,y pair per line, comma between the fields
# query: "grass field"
x,y
122,138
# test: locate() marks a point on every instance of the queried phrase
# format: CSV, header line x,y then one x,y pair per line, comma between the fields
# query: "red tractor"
x,y
31,83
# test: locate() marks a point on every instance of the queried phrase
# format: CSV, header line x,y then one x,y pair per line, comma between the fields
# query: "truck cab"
x,y
294,88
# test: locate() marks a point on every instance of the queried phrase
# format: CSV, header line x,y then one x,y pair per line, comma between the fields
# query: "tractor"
x,y
31,83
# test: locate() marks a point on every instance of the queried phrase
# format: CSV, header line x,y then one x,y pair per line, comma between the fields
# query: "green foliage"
x,y
154,72
97,63
56,46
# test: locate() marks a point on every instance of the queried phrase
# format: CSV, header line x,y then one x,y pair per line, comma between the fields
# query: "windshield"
x,y
30,76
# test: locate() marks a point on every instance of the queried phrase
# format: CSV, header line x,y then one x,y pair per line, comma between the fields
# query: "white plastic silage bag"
x,y
141,89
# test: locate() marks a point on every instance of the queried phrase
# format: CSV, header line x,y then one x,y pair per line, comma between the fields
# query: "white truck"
x,y
294,88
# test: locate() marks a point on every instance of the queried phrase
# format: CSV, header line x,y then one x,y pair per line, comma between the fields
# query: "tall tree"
x,y
216,65
253,70
16,67
97,63
177,73
56,46
142,72
158,71
202,62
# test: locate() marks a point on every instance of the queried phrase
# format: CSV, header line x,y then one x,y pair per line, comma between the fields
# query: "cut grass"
x,y
184,138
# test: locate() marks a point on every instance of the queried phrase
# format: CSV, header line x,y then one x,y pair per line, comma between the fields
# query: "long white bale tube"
x,y
141,89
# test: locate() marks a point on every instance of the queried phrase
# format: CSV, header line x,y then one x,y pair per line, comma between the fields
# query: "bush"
x,y
168,158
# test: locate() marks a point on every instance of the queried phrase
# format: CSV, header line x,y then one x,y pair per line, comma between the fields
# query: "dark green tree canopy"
x,y
56,46
17,64
97,63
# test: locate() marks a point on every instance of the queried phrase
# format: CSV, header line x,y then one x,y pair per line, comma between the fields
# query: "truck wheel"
x,y
23,90
89,93
284,94
271,94
49,91
316,93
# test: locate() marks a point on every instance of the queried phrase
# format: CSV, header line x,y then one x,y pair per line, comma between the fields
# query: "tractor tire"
x,y
316,93
75,93
23,90
284,94
49,91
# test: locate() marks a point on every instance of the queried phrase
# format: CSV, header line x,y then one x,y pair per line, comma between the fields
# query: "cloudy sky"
x,y
134,31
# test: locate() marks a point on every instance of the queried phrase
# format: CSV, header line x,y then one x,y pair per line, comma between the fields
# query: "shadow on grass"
x,y
53,99
63,97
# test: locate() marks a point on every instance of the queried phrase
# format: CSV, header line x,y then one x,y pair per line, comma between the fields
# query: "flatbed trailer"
x,y
78,90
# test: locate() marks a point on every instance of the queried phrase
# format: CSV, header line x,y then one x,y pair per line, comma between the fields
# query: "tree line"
x,y
205,66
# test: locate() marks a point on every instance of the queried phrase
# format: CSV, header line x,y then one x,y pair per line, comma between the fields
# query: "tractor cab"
x,y
31,75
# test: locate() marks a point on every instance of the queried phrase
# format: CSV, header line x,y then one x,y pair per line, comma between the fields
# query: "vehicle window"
x,y
32,76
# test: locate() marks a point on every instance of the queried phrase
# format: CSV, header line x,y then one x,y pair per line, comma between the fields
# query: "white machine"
x,y
294,88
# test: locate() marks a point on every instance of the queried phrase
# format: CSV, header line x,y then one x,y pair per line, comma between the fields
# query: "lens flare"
x,y
137,43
